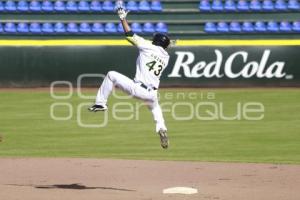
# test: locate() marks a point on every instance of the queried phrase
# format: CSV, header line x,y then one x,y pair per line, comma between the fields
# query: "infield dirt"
x,y
89,179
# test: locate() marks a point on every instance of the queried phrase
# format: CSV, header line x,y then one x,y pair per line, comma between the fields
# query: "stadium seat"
x,y
222,27
255,5
235,27
267,5
296,26
260,27
144,6
95,6
35,6
148,28
204,6
136,27
10,6
281,5
59,27
83,6
242,5
161,27
71,6
210,27
156,6
85,27
108,6
59,6
217,5
10,27
22,27
229,6
1,7
293,5
35,28
47,28
132,6
72,27
285,26
1,28
97,28
22,6
110,28
247,27
47,6
272,26
120,28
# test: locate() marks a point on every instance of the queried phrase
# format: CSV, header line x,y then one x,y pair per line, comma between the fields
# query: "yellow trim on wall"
x,y
91,42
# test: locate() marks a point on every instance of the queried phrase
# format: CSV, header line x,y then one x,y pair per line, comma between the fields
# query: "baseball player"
x,y
150,64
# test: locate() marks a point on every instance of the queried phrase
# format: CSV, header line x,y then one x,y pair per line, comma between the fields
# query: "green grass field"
x,y
29,131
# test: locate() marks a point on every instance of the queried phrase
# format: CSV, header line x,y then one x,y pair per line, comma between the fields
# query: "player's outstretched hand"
x,y
122,13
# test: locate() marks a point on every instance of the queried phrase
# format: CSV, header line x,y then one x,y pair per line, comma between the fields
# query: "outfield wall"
x,y
206,63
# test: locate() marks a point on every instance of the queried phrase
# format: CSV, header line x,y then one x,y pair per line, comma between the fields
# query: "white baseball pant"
x,y
134,89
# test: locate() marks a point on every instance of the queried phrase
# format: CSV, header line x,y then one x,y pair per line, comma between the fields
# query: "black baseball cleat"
x,y
164,141
96,108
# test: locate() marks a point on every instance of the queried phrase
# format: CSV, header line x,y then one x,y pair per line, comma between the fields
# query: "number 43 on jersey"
x,y
157,69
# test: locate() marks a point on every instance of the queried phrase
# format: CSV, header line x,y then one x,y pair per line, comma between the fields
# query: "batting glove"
x,y
121,10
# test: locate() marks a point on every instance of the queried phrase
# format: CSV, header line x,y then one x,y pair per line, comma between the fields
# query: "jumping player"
x,y
150,64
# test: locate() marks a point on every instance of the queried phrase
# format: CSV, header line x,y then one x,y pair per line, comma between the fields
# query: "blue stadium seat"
x,y
72,27
293,5
85,27
35,28
22,6
47,28
242,5
255,5
285,26
47,6
296,26
1,7
204,6
110,28
10,27
132,6
136,27
108,6
95,6
222,27
268,5
229,6
83,6
156,6
10,6
59,6
22,27
120,28
247,27
235,27
210,27
260,27
281,5
161,27
59,28
272,26
217,5
148,28
35,6
97,28
71,6
144,6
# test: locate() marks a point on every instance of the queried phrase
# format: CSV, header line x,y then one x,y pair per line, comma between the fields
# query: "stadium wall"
x,y
199,63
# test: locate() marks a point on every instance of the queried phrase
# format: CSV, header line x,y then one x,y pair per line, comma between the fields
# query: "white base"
x,y
180,190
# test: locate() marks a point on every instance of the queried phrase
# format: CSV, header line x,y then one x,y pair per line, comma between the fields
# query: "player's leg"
x,y
111,79
161,128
